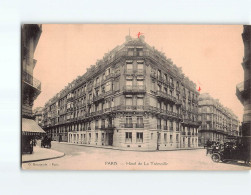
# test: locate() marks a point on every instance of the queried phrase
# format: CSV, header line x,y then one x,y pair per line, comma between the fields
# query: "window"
x,y
140,122
151,136
103,123
140,101
128,137
171,108
128,82
158,123
139,51
165,137
130,51
165,77
159,87
128,119
171,138
140,67
139,137
129,101
96,137
96,124
171,125
177,137
129,67
108,86
140,82
171,80
159,73
103,137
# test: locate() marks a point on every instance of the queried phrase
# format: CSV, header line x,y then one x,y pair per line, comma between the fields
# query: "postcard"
x,y
135,97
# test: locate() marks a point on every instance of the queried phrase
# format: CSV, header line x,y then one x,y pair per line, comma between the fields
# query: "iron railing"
x,y
31,80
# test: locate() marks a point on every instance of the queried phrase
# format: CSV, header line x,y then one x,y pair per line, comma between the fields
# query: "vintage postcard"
x,y
135,97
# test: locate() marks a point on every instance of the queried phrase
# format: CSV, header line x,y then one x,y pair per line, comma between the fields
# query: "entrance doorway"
x,y
110,139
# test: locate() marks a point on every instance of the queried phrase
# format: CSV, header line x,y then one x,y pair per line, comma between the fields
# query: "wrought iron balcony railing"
x,y
139,125
128,125
134,89
166,96
31,80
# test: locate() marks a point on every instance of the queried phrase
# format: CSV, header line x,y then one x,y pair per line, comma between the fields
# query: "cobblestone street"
x,y
91,158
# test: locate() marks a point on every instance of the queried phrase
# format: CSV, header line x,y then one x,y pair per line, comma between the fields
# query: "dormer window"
x,y
139,51
130,51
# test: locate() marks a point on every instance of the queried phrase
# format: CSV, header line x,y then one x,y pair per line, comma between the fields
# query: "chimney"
x,y
128,38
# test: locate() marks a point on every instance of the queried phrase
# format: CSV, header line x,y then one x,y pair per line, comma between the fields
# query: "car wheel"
x,y
215,157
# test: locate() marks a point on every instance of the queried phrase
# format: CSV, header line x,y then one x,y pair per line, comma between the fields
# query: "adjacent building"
x,y
37,113
243,90
31,87
218,123
133,98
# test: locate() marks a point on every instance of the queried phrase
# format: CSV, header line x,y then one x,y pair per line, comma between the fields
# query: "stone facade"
x,y
243,90
133,98
31,87
218,123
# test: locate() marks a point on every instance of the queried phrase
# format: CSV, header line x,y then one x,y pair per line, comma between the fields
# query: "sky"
x,y
210,55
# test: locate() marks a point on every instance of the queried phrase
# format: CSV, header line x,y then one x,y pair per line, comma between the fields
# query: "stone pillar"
x,y
243,90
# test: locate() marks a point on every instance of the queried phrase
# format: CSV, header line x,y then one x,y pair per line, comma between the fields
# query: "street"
x,y
91,158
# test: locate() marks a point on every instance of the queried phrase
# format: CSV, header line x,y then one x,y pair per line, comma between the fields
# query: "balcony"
x,y
128,125
183,133
134,89
98,97
165,128
165,96
242,90
139,125
27,78
158,126
188,133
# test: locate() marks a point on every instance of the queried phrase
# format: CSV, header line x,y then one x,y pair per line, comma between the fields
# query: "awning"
x,y
30,127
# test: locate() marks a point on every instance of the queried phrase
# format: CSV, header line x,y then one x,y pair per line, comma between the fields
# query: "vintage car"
x,y
46,142
231,152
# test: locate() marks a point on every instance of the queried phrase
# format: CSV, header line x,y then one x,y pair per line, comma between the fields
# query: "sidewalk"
x,y
41,154
129,149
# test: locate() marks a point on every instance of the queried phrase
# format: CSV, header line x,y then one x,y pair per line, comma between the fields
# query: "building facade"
x,y
218,123
243,90
133,98
31,87
37,113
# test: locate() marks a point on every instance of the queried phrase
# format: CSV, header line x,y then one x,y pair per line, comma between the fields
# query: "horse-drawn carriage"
x,y
46,142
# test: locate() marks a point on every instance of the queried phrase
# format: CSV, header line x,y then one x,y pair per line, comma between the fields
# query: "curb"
x,y
120,149
35,160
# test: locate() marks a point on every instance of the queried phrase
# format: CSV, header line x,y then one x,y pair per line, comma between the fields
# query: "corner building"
x,y
218,123
133,98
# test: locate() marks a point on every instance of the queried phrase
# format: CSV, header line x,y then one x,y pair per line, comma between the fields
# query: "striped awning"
x,y
30,127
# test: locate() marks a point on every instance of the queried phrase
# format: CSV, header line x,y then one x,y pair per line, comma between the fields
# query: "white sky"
x,y
209,55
